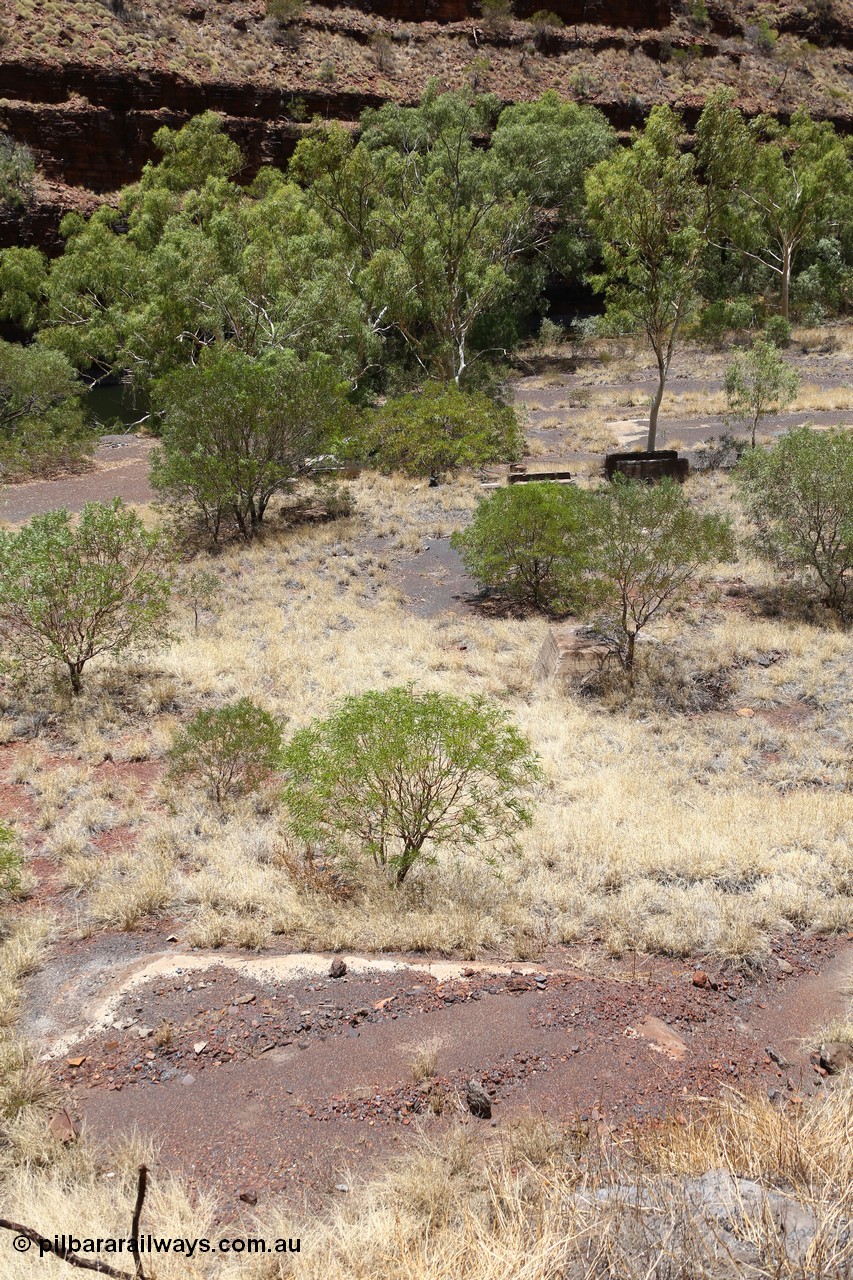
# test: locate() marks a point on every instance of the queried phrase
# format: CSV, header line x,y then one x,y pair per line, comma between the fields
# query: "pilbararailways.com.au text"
x,y
148,1244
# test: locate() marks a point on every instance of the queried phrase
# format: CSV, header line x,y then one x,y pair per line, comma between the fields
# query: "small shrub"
x,y
759,383
763,36
383,51
721,453
42,427
200,589
778,331
647,544
496,16
581,85
797,495
550,334
724,315
395,775
528,541
10,863
437,429
230,752
544,25
285,12
17,171
477,72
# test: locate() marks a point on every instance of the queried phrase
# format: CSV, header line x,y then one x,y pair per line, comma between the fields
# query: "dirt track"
x,y
276,1079
120,471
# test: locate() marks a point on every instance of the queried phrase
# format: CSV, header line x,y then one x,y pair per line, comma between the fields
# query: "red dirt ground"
x,y
279,1087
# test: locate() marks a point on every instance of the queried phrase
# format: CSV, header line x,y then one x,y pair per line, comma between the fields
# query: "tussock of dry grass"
x,y
21,944
90,1192
543,1203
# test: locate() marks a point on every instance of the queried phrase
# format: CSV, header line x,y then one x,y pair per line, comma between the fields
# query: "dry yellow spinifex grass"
x,y
655,830
703,1197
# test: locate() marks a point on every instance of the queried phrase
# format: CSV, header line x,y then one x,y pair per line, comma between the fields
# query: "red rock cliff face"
x,y
93,128
614,13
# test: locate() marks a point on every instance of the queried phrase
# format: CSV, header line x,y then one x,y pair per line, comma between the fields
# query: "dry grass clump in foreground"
x,y
21,943
741,1189
88,1192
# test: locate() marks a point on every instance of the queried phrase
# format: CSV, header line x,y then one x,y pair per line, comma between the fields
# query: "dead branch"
x,y
86,1264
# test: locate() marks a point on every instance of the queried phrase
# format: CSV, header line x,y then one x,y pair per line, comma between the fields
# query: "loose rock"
x,y
62,1126
836,1056
479,1102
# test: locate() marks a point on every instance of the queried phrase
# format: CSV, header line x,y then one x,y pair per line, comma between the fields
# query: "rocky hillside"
x,y
86,84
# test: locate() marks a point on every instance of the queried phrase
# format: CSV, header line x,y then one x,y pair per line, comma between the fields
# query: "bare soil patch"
x,y
120,471
281,1086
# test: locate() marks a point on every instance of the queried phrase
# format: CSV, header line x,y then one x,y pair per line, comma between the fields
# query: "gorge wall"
x,y
87,91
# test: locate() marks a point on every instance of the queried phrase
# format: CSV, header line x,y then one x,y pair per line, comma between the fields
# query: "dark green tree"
x,y
237,431
23,275
444,237
190,260
775,189
544,148
41,419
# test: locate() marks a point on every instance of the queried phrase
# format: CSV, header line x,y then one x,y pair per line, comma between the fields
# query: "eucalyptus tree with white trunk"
x,y
647,209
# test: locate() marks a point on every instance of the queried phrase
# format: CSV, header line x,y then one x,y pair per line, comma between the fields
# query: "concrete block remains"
x,y
571,653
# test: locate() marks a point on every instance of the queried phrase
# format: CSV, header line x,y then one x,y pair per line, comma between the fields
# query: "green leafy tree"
x,y
529,541
759,383
237,431
776,189
191,156
445,238
23,274
798,496
231,751
647,545
544,148
648,212
190,260
72,591
433,241
41,418
396,775
439,428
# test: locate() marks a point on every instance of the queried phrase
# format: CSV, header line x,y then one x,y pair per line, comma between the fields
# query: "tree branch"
x,y
85,1264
